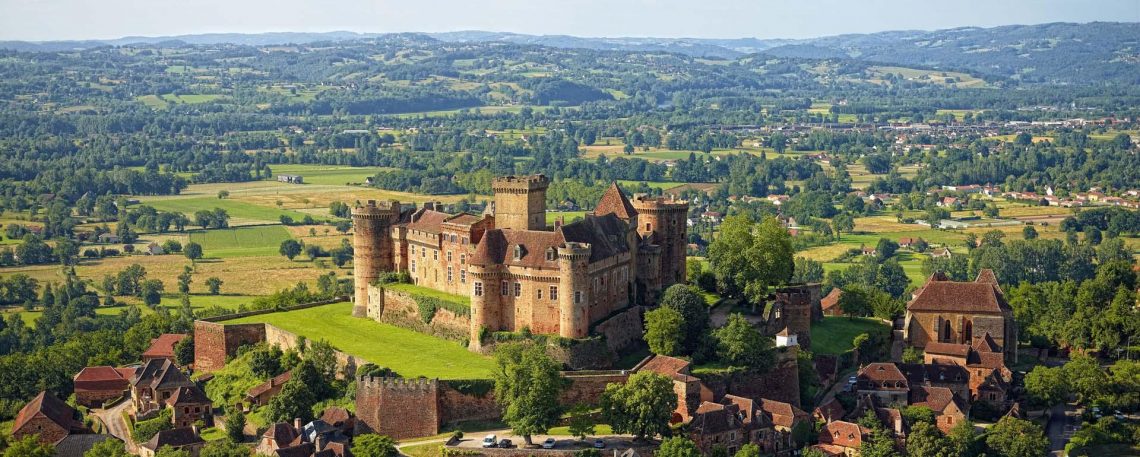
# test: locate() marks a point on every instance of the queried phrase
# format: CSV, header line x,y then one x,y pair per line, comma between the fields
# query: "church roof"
x,y
961,297
614,201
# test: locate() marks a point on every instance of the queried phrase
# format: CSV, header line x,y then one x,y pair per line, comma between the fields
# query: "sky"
x,y
39,20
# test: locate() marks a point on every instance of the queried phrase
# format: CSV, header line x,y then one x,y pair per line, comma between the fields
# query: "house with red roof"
x,y
48,418
96,385
944,311
841,438
163,347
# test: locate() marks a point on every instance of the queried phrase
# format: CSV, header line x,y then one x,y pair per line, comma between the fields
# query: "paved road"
x,y
113,422
1063,421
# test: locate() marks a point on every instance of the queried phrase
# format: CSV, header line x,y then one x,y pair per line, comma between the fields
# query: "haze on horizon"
x,y
44,20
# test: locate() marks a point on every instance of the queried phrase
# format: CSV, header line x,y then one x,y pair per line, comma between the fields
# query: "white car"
x,y
548,444
490,441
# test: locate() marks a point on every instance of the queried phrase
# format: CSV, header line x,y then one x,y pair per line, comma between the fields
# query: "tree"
x,y
935,215
581,421
527,386
184,279
748,450
842,222
1013,437
1046,386
108,448
167,451
184,351
295,400
373,445
224,448
886,248
963,441
1029,233
665,331
1085,378
749,258
925,440
235,425
915,414
223,194
290,249
214,284
855,301
678,446
741,344
690,305
193,251
151,292
642,406
29,446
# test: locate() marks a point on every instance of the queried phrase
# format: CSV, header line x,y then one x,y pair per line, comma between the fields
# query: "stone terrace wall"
x,y
781,383
214,342
400,309
345,363
622,329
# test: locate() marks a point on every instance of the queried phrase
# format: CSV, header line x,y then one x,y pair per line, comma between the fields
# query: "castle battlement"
x,y
374,209
574,251
520,183
390,383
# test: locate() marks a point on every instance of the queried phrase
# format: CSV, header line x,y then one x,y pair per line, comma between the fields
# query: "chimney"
x,y
560,221
297,424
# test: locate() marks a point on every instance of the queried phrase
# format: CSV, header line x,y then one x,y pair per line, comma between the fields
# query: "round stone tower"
x,y
485,304
573,290
372,247
664,221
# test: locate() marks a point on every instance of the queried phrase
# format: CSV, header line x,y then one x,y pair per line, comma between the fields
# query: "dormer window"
x,y
550,255
518,252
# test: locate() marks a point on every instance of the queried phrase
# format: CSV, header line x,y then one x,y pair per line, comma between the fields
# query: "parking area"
x,y
560,444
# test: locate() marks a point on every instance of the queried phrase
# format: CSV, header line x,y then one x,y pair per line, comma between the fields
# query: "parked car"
x,y
851,382
599,444
490,441
549,443
505,443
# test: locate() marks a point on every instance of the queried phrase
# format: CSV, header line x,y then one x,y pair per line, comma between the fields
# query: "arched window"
x,y
945,330
968,332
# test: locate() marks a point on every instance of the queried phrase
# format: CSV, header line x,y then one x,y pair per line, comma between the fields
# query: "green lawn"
x,y
834,334
171,301
240,212
407,352
428,292
328,174
567,216
241,241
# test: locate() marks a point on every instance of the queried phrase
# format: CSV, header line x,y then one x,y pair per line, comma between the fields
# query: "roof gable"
x,y
50,407
962,297
614,201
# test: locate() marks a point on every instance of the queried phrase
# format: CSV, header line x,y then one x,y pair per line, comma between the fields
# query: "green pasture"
x,y
834,335
241,241
329,174
409,353
240,212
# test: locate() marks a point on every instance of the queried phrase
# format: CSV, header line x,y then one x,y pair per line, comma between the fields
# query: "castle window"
x,y
504,288
449,274
478,289
413,266
464,240
448,256
463,276
648,226
452,237
423,252
518,289
553,293
518,252
538,293
550,254
462,259
413,249
577,296
435,254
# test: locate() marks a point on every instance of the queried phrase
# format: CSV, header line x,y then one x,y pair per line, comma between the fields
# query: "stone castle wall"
x,y
781,383
346,364
623,329
403,408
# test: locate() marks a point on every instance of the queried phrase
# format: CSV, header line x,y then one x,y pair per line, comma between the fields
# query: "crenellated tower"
x,y
663,222
520,202
372,247
486,306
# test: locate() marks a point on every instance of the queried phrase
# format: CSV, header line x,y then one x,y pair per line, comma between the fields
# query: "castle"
x,y
519,272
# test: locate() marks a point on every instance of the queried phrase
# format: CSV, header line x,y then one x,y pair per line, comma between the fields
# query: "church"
x,y
520,272
959,313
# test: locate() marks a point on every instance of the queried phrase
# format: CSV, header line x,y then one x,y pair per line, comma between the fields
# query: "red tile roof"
x,y
831,300
937,399
840,433
428,221
963,297
276,381
191,395
783,414
952,349
48,406
614,201
100,378
163,346
882,371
